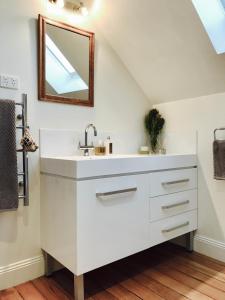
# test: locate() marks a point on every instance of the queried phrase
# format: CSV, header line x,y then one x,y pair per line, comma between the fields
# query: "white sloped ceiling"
x,y
164,46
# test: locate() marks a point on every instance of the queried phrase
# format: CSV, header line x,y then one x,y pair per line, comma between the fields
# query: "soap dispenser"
x,y
108,146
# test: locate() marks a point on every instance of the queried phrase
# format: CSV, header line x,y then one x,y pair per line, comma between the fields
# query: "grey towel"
x,y
219,159
8,157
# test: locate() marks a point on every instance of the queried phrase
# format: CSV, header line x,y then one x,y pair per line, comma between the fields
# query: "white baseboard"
x,y
22,271
209,247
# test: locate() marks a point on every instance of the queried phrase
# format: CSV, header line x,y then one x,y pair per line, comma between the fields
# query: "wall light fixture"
x,y
78,9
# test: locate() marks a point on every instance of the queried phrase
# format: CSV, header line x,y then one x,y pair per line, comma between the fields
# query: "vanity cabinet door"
x,y
112,219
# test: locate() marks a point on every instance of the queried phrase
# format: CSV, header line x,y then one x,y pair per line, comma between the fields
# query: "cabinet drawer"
x,y
170,205
167,182
113,219
161,231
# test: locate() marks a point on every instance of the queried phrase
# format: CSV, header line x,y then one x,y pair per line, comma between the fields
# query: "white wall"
x,y
203,114
119,107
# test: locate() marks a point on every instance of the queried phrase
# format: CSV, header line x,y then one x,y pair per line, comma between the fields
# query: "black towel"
x,y
8,157
219,159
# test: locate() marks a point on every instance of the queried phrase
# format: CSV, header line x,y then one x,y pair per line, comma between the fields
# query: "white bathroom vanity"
x,y
97,210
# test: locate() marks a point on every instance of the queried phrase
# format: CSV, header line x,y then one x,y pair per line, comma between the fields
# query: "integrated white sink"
x,y
81,167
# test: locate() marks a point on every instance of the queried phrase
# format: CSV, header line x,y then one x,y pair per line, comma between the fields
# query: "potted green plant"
x,y
154,124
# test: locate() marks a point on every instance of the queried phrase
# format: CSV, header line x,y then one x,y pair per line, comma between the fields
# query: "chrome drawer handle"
x,y
176,181
175,227
175,204
116,192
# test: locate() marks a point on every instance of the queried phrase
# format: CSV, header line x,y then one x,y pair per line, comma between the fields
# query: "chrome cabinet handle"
x,y
134,189
176,181
175,227
175,204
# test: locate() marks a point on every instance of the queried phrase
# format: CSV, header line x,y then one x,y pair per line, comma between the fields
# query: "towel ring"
x,y
215,130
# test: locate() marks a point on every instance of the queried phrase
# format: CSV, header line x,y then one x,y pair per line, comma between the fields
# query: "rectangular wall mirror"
x,y
66,63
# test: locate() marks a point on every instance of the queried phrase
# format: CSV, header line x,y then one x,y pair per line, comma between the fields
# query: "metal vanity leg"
x,y
189,241
49,261
79,287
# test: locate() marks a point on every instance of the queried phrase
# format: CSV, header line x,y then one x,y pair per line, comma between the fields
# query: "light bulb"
x,y
60,3
57,3
83,10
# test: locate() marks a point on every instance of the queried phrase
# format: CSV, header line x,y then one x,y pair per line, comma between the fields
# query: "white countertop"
x,y
81,167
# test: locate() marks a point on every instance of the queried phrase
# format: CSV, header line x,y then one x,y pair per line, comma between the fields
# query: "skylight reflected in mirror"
x,y
60,74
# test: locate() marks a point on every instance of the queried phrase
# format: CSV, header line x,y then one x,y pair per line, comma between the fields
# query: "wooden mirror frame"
x,y
42,96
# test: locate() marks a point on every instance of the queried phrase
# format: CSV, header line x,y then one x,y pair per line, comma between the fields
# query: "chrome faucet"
x,y
87,147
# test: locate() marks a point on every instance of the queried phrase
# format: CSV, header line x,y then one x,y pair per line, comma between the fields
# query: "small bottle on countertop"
x,y
108,146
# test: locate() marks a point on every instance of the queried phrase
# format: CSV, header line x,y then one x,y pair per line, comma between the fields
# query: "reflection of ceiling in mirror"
x,y
60,74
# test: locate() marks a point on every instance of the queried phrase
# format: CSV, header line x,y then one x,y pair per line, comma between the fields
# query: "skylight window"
x,y
212,15
60,74
223,3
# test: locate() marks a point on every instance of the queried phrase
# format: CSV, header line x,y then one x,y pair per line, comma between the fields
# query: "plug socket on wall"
x,y
9,82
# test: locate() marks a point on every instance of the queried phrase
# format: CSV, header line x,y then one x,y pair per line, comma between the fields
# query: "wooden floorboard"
x,y
10,294
193,283
196,261
197,274
175,285
50,289
28,291
204,260
105,279
162,272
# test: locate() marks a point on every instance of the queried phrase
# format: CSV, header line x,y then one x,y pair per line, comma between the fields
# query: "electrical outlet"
x,y
9,82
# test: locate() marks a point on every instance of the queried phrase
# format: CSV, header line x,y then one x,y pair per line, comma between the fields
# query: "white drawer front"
x,y
113,219
167,182
164,230
170,205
